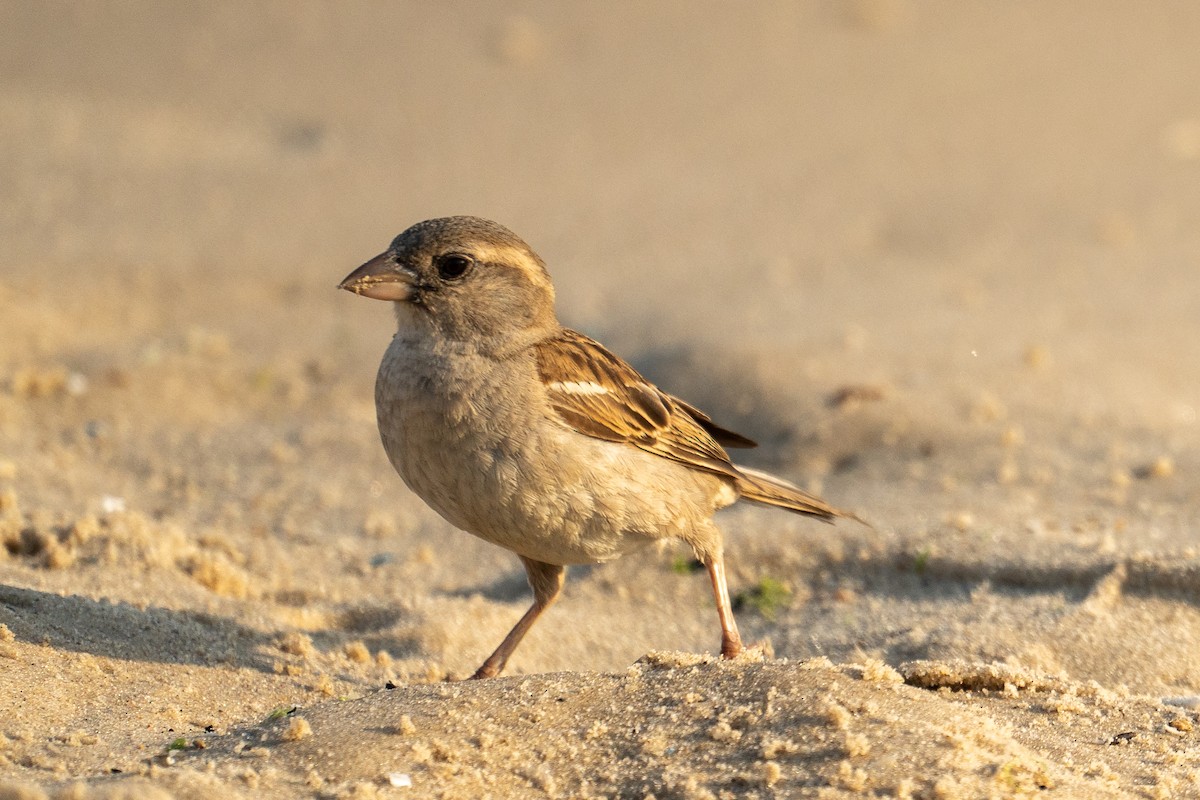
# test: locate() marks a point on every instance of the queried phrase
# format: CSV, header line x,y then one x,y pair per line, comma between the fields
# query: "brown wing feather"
x,y
724,436
598,394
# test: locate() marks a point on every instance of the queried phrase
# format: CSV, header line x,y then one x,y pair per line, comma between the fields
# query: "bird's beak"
x,y
381,278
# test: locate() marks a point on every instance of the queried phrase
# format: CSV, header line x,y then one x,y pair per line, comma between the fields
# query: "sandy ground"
x,y
940,258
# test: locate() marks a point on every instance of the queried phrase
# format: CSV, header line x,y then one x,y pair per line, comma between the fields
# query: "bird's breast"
x,y
457,430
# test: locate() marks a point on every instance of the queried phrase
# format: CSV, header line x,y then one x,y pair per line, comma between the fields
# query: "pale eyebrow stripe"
x,y
578,387
503,252
510,256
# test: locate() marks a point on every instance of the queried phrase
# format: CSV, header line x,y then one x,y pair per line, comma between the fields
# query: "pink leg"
x,y
546,580
731,640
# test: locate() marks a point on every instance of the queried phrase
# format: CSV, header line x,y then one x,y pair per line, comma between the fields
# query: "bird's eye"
x,y
453,266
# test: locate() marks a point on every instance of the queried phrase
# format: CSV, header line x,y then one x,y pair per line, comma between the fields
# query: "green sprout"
x,y
681,565
921,562
766,597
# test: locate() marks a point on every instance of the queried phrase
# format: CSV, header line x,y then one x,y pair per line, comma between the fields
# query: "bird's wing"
x,y
598,394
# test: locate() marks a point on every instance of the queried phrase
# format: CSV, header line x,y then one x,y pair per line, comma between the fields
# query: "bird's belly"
x,y
549,493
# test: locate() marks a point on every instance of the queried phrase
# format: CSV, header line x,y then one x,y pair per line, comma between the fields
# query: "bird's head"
x,y
466,278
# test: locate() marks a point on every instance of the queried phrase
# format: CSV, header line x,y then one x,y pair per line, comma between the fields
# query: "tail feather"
x,y
768,490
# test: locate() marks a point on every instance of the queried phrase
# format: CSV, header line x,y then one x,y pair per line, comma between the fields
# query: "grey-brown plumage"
x,y
535,437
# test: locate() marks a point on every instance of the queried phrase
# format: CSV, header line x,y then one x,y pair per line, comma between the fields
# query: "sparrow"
x,y
535,437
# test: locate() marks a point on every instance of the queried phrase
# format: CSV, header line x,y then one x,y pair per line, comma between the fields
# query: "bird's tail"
x,y
768,490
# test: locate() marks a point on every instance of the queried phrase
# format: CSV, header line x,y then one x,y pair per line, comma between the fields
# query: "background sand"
x,y
940,258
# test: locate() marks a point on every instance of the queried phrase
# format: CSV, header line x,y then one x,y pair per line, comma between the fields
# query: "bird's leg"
x,y
546,580
731,640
